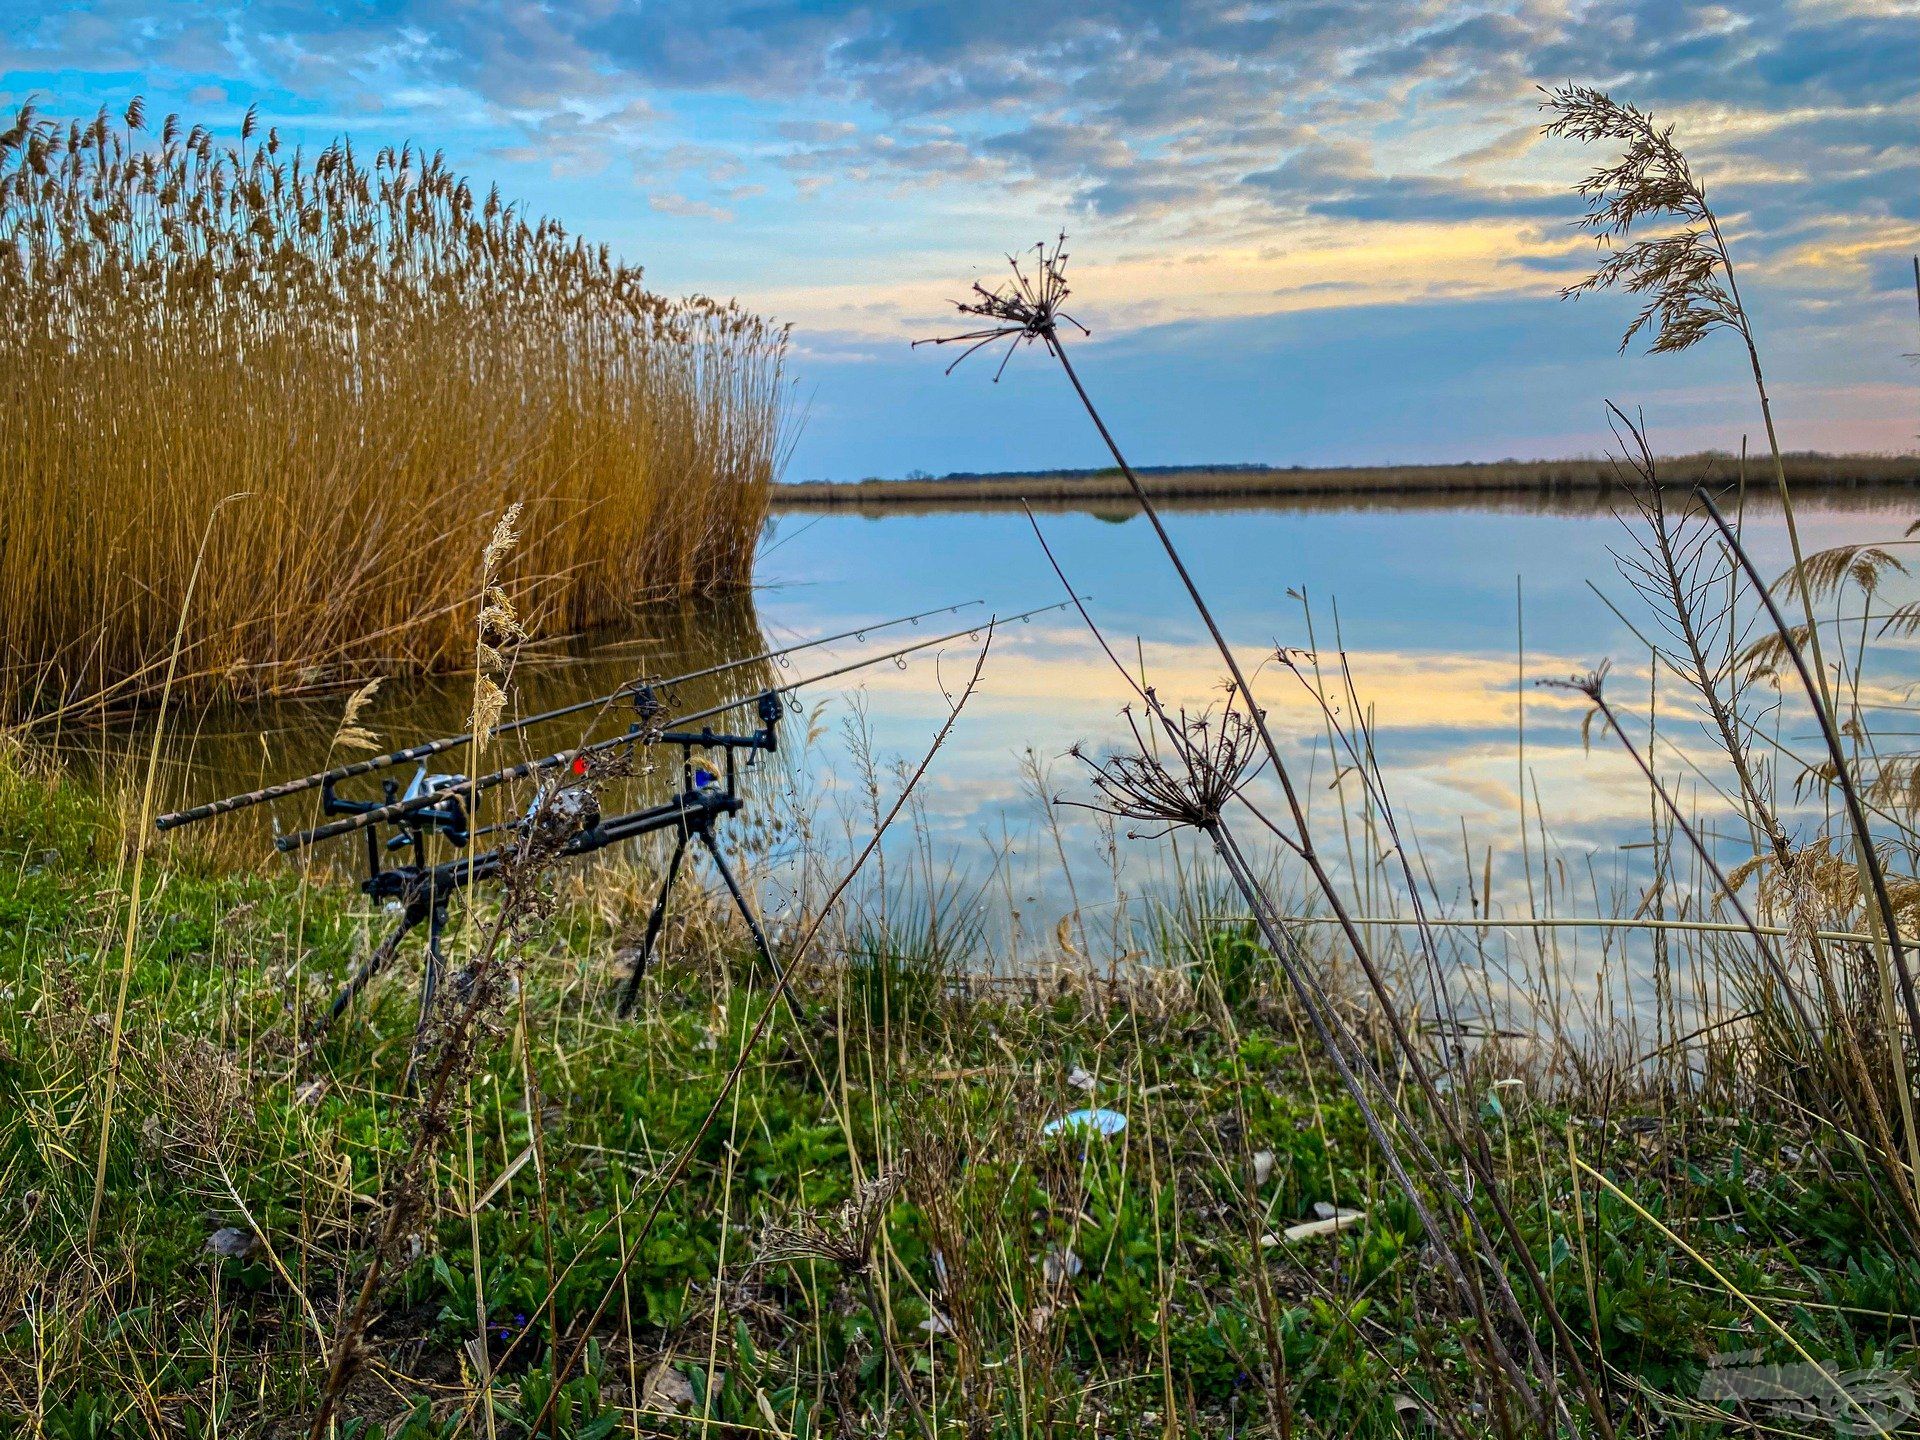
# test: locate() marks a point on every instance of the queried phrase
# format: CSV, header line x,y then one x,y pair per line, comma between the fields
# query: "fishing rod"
x,y
454,795
428,748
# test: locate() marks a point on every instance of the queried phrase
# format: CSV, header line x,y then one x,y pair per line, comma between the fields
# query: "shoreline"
x,y
1503,477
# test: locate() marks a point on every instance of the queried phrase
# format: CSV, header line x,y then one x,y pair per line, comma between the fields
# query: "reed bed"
x,y
318,380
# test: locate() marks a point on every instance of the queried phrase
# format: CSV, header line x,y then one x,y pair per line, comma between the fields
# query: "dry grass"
x,y
378,360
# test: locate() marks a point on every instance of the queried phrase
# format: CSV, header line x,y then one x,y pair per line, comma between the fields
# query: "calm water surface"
x,y
1447,615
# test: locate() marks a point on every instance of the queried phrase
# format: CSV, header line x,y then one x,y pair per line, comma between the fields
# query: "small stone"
x,y
1060,1265
666,1389
232,1242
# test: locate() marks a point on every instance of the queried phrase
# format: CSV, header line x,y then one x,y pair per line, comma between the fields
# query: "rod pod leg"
x,y
431,969
740,900
382,955
631,991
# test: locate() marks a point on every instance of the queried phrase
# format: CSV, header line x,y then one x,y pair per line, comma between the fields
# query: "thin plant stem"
x,y
1843,776
140,846
1334,1041
668,1181
1324,882
1888,945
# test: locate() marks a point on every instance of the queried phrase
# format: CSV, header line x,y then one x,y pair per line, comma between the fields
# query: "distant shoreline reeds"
x,y
375,360
1596,475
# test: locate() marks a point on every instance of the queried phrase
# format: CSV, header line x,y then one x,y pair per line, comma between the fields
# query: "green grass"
x,y
878,1067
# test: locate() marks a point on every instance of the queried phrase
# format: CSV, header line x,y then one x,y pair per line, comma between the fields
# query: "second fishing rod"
x,y
428,748
464,790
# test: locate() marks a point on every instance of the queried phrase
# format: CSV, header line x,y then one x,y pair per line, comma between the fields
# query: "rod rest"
x,y
692,811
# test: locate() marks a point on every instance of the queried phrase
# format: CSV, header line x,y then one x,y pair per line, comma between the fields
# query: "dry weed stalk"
x,y
799,956
846,1239
1139,787
1861,1093
1894,967
1685,581
1692,289
1027,311
1692,586
469,1016
1216,756
1687,276
461,1020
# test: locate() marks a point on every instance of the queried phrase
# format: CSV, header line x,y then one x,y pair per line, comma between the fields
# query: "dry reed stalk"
x,y
1676,569
1883,918
1862,1095
1692,289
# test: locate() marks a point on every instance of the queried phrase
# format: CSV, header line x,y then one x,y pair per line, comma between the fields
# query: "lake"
x,y
1447,614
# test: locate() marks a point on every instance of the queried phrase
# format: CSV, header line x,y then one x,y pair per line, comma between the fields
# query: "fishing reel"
x,y
564,807
648,707
446,816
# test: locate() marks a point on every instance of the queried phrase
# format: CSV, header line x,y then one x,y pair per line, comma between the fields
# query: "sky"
x,y
1315,232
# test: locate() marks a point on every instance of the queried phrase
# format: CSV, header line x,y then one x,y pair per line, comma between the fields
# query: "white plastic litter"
x,y
1103,1122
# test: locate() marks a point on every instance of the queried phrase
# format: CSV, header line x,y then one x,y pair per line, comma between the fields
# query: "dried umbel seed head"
x,y
1183,773
845,1237
1025,308
1592,684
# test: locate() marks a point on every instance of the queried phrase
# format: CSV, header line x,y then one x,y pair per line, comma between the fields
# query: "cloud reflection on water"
x,y
1430,603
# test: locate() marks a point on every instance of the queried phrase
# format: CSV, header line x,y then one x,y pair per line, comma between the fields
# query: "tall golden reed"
x,y
383,360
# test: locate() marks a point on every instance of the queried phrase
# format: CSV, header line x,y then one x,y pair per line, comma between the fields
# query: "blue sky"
x,y
1314,232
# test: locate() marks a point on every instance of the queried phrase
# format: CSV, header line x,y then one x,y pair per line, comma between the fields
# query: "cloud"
x,y
572,144
1190,112
683,208
1221,159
